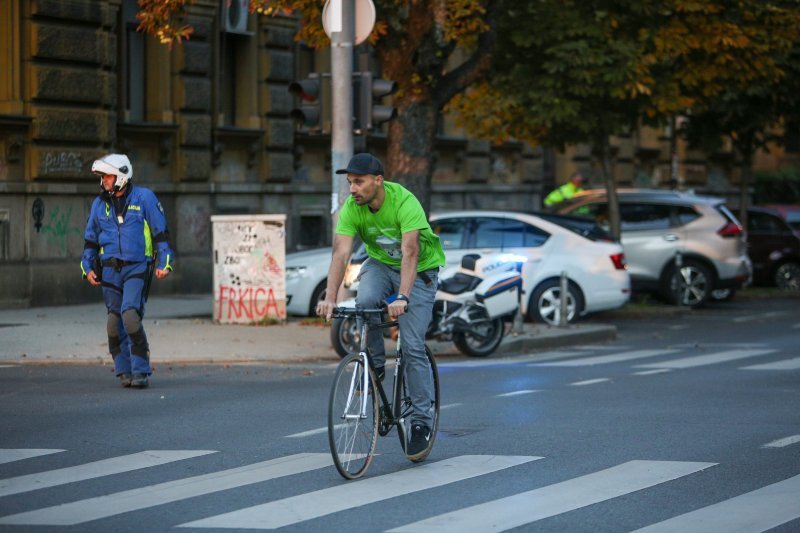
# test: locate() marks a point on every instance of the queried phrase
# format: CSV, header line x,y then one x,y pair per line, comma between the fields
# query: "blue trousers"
x,y
376,283
124,298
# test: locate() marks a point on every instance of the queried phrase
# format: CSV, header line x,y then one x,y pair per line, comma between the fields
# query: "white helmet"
x,y
117,165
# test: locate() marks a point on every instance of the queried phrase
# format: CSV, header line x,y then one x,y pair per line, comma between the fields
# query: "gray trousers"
x,y
376,283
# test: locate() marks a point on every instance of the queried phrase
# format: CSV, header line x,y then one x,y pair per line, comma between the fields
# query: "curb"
x,y
557,338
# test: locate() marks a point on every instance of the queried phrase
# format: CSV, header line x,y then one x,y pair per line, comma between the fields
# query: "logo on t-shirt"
x,y
392,247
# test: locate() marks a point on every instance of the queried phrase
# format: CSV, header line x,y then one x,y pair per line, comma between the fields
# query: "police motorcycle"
x,y
474,302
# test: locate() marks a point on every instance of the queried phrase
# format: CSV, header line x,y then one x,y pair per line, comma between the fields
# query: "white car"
x,y
595,266
552,244
306,280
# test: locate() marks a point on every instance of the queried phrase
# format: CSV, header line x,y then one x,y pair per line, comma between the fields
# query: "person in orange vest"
x,y
566,191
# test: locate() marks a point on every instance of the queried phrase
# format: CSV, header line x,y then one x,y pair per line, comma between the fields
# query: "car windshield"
x,y
584,227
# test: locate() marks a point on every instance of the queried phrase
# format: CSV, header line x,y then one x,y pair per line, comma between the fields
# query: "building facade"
x,y
206,125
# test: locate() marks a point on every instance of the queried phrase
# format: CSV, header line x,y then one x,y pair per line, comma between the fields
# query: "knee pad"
x,y
133,326
112,328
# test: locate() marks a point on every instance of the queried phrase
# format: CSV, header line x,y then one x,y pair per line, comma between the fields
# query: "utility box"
x,y
249,268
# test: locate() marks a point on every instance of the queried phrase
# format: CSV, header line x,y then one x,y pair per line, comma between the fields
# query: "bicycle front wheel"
x,y
352,418
406,408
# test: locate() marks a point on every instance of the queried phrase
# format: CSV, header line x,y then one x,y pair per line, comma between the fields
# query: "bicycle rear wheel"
x,y
406,409
352,418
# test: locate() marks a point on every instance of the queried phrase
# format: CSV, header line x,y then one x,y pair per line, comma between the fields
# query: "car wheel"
x,y
317,296
723,295
690,285
345,337
787,277
545,304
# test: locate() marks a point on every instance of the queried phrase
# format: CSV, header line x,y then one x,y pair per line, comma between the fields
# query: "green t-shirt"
x,y
382,232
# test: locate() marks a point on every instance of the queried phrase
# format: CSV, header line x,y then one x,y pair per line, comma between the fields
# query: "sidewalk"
x,y
180,330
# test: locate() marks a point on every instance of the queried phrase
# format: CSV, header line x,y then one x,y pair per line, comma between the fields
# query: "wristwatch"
x,y
402,298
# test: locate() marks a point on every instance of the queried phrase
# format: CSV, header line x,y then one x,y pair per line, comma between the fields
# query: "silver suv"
x,y
678,244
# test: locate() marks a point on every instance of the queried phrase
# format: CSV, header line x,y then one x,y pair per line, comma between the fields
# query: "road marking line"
x,y
786,364
307,433
796,326
11,455
708,359
106,467
678,327
323,502
324,429
651,372
759,510
780,443
517,393
589,382
133,500
605,359
750,318
527,507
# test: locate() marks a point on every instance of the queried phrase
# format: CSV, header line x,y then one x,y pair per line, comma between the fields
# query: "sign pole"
x,y
341,17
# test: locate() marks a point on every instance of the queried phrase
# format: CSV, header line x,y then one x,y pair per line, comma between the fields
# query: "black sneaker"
x,y
140,381
380,373
125,379
418,445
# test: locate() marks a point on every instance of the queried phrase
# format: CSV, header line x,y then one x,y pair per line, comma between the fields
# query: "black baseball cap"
x,y
363,163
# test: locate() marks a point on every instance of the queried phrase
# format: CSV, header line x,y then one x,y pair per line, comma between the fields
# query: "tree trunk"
x,y
410,158
603,148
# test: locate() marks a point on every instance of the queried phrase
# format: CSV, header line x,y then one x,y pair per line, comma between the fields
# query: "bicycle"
x,y
356,419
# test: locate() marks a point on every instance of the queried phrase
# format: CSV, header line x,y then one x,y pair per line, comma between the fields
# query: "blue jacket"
x,y
143,227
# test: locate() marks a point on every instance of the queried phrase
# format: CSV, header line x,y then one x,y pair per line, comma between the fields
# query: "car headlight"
x,y
293,272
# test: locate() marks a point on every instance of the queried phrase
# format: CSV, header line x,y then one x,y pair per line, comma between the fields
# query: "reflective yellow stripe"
x,y
167,266
82,270
148,240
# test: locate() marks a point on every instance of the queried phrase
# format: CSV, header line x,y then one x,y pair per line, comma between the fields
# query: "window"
x,y
764,223
506,233
135,75
686,214
643,217
451,233
5,234
312,231
596,212
488,233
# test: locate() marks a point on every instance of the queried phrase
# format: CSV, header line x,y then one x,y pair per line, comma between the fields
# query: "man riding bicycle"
x,y
404,260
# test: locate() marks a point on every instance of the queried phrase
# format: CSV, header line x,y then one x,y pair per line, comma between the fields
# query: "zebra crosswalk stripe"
x,y
11,455
755,511
326,501
537,504
786,364
106,467
707,359
605,359
132,500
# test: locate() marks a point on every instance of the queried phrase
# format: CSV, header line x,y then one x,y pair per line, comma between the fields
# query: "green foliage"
x,y
777,187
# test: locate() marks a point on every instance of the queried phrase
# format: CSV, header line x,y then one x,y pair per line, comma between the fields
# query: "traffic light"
x,y
368,110
309,113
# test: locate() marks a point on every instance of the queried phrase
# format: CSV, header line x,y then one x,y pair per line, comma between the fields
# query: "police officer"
x,y
125,233
572,187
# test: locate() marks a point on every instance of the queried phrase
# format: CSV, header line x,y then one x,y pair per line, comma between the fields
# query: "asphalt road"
x,y
685,423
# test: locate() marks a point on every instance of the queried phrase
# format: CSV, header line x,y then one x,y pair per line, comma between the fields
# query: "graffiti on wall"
x,y
62,163
248,270
59,227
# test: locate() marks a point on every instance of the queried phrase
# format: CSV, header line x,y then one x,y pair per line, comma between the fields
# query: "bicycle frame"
x,y
390,411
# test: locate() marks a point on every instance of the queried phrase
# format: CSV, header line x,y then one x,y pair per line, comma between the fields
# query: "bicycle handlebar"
x,y
350,312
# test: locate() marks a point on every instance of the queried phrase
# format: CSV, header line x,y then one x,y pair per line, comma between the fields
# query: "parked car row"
x,y
550,244
680,245
685,247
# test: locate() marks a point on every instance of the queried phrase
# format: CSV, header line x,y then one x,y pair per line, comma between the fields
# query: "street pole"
x,y
342,37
